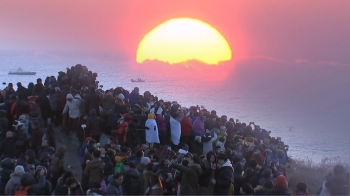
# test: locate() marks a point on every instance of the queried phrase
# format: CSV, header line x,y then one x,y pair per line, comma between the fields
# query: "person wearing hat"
x,y
73,108
224,175
281,187
15,180
190,177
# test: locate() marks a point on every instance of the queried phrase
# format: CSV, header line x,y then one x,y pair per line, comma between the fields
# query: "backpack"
x,y
119,167
22,191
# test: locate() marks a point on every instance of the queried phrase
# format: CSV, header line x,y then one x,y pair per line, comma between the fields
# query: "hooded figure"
x,y
152,133
15,181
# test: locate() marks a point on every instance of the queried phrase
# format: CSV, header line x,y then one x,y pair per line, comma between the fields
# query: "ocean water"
x,y
307,105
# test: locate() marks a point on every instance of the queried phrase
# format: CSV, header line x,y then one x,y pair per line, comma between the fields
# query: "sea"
x,y
306,104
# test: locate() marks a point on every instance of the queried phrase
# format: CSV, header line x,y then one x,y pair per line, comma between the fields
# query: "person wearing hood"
x,y
73,108
224,175
115,185
208,165
134,96
198,126
152,134
94,125
7,166
281,187
8,147
15,180
61,181
157,109
208,139
29,183
94,168
73,186
132,184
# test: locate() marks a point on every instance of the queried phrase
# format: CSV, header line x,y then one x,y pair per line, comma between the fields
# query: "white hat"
x,y
19,169
121,96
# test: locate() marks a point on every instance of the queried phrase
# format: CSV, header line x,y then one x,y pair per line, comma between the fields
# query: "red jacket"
x,y
186,126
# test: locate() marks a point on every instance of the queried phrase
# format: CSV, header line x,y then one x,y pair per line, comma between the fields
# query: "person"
x,y
73,108
47,188
301,189
30,185
94,126
208,165
7,166
94,168
92,101
45,107
186,127
338,184
156,187
223,178
115,185
15,180
8,147
281,187
176,115
152,134
190,174
57,164
247,189
132,184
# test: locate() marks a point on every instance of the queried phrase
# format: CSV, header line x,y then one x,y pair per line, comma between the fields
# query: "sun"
x,y
183,39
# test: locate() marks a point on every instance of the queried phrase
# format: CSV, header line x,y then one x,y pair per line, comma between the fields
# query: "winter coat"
x,y
190,177
92,101
208,146
198,128
72,106
133,97
45,106
132,182
175,130
186,126
207,172
28,179
94,170
113,188
7,167
94,124
338,185
54,101
152,133
224,179
8,148
13,184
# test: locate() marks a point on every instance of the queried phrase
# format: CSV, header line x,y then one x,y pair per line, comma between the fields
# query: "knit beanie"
x,y
281,181
19,169
145,160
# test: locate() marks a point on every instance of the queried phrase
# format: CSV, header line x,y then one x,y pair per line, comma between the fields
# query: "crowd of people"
x,y
155,147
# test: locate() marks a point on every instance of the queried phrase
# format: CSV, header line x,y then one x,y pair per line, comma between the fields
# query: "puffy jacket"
x,y
132,182
94,170
190,177
224,179
72,106
13,184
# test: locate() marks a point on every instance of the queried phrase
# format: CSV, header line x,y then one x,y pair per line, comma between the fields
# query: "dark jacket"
x,y
46,189
338,185
278,190
204,180
28,179
224,179
54,101
45,106
132,182
133,97
94,170
113,188
238,178
8,148
94,124
190,176
92,102
7,168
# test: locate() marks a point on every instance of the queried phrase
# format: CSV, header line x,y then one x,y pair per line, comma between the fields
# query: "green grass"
x,y
311,173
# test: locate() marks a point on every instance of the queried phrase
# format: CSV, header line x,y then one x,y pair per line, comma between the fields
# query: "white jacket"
x,y
73,107
152,132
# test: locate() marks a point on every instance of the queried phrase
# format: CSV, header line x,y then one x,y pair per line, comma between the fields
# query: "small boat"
x,y
20,71
138,80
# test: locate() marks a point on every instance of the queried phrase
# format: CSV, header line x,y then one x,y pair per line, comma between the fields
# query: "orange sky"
x,y
285,30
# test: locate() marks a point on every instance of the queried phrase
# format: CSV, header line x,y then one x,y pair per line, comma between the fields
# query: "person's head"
x,y
301,188
189,158
222,158
69,97
211,157
96,154
247,189
118,178
39,81
281,181
139,154
269,184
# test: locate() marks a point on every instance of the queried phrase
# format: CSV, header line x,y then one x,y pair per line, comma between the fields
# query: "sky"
x,y
314,31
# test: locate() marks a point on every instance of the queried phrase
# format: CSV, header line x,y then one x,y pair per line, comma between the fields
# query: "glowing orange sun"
x,y
182,39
